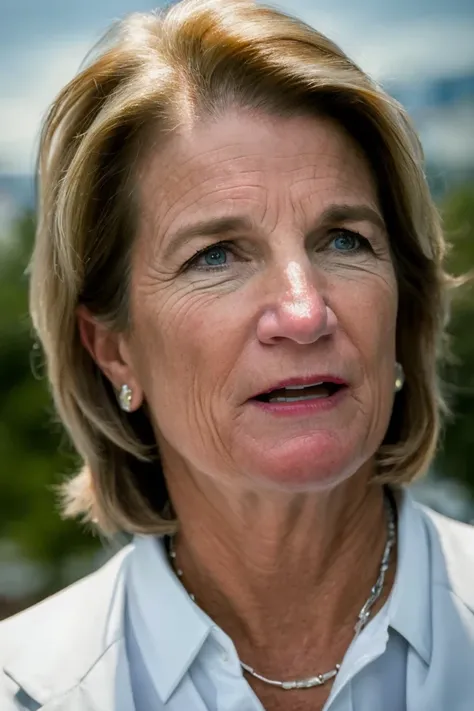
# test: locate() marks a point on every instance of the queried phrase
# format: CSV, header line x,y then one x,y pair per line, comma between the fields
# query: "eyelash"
x,y
364,242
364,245
192,262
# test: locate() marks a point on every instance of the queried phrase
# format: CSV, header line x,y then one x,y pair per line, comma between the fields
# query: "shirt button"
x,y
225,657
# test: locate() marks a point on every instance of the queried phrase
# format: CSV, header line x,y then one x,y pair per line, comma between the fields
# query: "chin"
x,y
304,465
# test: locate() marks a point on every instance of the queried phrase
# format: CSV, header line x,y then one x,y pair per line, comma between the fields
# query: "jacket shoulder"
x,y
452,554
57,611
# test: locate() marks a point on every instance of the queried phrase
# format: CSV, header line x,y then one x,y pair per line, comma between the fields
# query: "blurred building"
x,y
443,111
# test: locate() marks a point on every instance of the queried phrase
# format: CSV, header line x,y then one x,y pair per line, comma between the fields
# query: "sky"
x,y
42,43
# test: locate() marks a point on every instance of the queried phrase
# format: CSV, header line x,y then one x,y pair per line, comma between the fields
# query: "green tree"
x,y
34,454
457,454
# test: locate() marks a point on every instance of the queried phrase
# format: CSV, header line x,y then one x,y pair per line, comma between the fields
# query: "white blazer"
x,y
68,652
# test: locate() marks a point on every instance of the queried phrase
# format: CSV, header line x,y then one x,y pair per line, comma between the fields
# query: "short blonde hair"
x,y
153,72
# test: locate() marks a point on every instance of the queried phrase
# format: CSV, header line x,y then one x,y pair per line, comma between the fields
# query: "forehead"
x,y
242,160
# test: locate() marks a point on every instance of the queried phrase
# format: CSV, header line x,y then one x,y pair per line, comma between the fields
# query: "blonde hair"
x,y
152,72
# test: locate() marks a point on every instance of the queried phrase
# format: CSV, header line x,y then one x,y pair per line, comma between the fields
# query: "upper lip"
x,y
301,381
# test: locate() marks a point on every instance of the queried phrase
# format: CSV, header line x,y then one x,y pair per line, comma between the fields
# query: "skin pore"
x,y
281,537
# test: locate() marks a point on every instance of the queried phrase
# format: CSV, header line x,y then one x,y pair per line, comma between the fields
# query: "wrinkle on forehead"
x,y
221,141
233,164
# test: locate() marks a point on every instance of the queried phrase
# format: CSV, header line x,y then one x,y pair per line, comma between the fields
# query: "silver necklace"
x,y
362,620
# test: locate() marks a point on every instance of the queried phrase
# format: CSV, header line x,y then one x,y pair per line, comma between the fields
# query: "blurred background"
x,y
421,51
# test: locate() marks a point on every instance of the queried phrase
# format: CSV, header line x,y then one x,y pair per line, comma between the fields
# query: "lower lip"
x,y
302,407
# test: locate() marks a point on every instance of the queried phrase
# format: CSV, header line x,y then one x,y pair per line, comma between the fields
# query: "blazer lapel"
x,y
73,657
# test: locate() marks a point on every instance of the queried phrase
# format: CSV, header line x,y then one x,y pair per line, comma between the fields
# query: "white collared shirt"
x,y
180,660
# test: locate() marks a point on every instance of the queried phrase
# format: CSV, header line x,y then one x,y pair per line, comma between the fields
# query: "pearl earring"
x,y
125,398
399,377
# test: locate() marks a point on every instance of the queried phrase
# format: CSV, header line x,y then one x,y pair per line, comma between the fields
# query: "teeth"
x,y
297,398
302,387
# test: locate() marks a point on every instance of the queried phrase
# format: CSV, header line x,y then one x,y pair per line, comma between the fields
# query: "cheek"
x,y
367,312
187,350
183,349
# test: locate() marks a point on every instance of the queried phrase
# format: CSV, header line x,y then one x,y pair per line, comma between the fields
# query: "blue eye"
x,y
211,258
347,241
215,257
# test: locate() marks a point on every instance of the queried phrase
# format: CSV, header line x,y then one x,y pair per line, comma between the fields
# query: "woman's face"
x,y
262,260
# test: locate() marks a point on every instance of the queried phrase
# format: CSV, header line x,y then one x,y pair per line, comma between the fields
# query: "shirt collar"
x,y
167,625
410,606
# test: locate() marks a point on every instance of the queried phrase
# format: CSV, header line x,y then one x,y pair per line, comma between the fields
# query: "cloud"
x,y
421,48
31,83
418,50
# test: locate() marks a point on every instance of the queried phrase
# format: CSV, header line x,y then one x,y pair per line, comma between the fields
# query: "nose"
x,y
297,311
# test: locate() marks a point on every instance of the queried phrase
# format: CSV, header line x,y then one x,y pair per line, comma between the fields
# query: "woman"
x,y
238,284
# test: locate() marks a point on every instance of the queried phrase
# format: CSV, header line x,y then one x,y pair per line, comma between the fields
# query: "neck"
x,y
274,566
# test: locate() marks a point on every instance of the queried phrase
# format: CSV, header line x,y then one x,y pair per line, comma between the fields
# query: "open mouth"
x,y
299,393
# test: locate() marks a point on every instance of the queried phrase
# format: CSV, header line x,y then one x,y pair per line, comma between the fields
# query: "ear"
x,y
110,351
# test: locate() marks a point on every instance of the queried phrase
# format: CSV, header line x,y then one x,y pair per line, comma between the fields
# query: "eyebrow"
x,y
224,226
352,213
